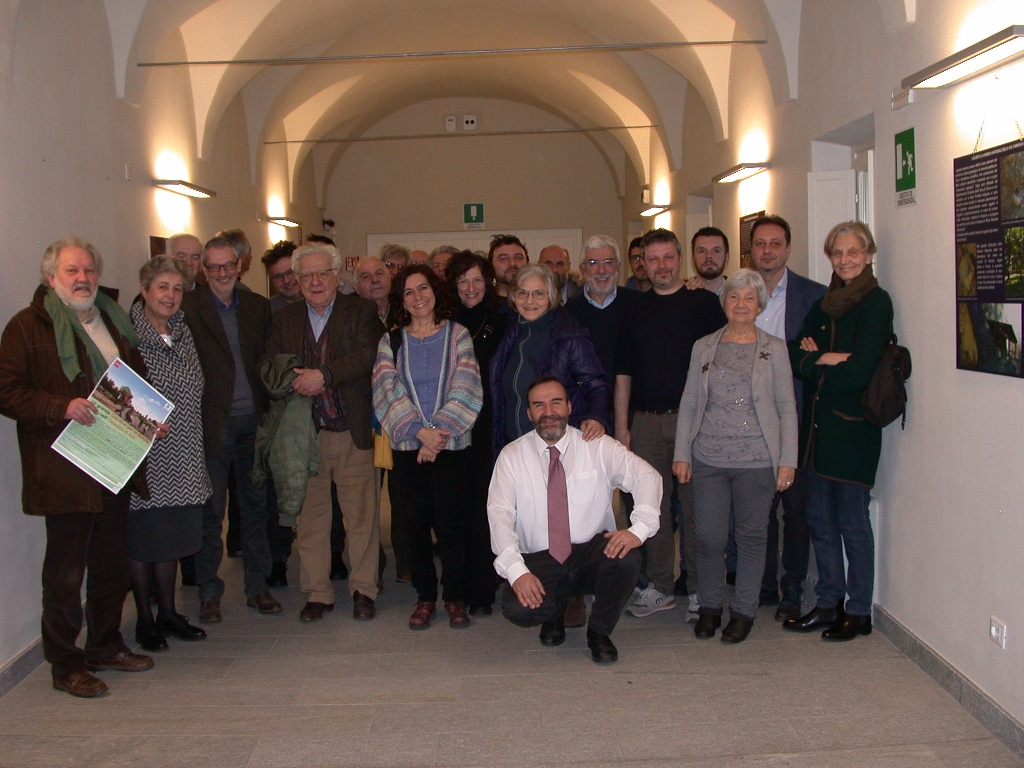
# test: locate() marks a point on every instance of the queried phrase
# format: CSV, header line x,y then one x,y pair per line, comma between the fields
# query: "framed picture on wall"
x,y
745,249
157,246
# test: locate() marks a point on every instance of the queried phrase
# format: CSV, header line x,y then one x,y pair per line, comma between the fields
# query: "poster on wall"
x,y
989,194
745,249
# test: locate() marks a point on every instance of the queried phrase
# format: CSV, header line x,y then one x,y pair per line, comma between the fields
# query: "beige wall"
x,y
526,182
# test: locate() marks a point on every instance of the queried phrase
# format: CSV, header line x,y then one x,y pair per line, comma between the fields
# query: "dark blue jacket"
x,y
569,357
801,295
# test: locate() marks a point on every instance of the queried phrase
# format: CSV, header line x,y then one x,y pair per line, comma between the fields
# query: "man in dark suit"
x,y
335,336
790,296
230,328
556,258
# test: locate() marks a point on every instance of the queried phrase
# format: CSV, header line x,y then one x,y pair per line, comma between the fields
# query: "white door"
x,y
831,198
476,240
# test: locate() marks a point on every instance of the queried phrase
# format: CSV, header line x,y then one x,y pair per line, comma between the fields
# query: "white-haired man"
x,y
189,249
335,335
51,356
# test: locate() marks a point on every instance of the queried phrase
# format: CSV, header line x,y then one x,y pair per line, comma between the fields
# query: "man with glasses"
x,y
230,328
638,280
335,336
395,258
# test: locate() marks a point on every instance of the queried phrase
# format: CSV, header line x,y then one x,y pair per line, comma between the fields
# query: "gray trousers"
x,y
747,493
653,438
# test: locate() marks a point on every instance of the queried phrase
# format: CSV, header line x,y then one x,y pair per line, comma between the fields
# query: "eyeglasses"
x,y
283,277
319,274
217,269
523,295
394,264
592,263
636,256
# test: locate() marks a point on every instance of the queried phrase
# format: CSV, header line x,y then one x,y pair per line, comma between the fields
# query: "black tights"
x,y
160,575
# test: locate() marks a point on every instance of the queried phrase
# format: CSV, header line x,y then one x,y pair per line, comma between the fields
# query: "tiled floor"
x,y
268,691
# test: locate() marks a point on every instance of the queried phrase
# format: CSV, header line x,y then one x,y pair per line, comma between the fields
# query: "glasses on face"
x,y
538,295
227,269
394,264
593,263
283,277
635,257
319,274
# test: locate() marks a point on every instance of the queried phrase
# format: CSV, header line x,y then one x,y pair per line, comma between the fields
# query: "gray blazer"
x,y
774,402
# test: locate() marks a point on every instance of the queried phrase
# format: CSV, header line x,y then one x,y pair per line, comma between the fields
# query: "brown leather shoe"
x,y
314,611
82,683
575,611
125,661
264,602
421,617
363,608
457,616
209,612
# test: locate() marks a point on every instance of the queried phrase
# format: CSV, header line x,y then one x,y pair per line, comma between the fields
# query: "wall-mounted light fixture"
x,y
284,221
184,188
654,210
741,172
971,61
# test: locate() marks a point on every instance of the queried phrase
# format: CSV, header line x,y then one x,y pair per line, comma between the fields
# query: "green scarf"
x,y
66,326
841,298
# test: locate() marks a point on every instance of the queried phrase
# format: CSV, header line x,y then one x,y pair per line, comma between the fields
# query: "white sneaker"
x,y
651,601
693,610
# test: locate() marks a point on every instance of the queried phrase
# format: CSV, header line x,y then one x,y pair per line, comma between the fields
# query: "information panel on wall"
x,y
989,194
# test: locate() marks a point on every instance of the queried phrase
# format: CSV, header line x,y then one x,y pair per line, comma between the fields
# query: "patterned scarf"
x,y
841,298
315,353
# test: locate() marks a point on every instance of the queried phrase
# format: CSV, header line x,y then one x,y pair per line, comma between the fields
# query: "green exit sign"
x,y
906,168
472,215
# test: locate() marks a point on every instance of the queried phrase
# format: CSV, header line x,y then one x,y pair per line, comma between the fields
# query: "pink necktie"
x,y
559,543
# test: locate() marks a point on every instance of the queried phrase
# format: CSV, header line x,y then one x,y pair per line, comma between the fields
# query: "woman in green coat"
x,y
835,355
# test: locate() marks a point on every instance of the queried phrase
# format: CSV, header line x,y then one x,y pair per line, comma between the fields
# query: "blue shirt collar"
x,y
608,301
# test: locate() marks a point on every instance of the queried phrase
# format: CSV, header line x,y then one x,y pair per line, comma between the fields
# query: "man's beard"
x,y
76,303
710,273
552,427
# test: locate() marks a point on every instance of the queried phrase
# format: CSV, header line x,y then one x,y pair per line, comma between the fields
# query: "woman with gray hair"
x,y
736,440
169,524
545,340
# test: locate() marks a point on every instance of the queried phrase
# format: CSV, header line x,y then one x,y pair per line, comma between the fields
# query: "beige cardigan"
x,y
774,402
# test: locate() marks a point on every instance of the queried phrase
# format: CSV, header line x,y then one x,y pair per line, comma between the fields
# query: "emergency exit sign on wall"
x,y
906,168
472,215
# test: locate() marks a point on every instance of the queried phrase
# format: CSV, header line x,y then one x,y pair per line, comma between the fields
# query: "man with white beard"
x,y
51,355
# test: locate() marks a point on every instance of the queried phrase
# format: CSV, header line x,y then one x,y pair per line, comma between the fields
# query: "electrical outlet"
x,y
997,632
469,122
449,123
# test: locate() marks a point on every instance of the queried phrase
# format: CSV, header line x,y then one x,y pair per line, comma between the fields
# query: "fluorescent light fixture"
x,y
971,61
654,210
741,172
284,221
184,188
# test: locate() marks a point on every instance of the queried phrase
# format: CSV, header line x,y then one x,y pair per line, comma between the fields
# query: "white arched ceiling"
x,y
898,14
628,113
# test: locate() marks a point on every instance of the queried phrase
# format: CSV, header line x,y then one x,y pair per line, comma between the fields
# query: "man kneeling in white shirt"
x,y
552,526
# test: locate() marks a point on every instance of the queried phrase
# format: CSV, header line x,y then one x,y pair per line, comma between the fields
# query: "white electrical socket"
x,y
469,122
449,123
997,632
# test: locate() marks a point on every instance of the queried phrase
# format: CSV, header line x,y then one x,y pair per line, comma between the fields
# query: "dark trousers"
x,y
796,544
279,537
236,447
481,580
399,523
77,544
435,497
588,570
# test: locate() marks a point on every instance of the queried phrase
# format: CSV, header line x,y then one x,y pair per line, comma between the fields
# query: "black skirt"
x,y
164,533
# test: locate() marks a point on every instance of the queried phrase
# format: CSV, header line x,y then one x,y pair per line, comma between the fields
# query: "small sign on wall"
x,y
906,168
350,263
472,215
745,246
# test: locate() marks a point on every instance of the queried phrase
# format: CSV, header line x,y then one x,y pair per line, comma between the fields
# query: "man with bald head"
x,y
418,257
556,258
189,249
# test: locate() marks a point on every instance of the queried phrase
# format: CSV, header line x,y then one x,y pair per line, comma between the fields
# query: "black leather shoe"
x,y
602,650
278,574
481,609
339,570
706,626
818,618
552,632
787,611
848,628
149,638
736,630
180,628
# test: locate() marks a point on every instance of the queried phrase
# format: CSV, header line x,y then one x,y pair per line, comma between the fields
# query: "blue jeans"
x,y
837,515
236,448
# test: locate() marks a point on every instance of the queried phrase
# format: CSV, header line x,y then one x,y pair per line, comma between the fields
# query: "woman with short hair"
x,y
169,524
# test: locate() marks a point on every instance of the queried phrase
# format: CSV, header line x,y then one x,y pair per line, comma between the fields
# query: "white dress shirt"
x,y
773,319
517,501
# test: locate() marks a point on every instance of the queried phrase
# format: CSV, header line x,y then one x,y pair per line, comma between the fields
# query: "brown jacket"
x,y
355,330
218,363
35,393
